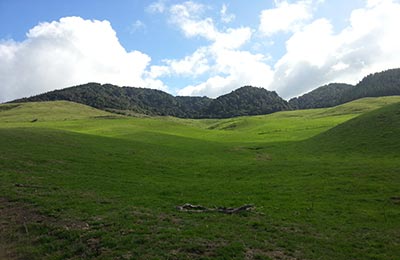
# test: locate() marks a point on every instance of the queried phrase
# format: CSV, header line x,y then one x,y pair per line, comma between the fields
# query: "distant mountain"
x,y
386,83
326,96
244,101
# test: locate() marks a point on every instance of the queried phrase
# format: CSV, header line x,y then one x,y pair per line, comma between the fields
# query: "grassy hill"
x,y
48,111
85,185
376,132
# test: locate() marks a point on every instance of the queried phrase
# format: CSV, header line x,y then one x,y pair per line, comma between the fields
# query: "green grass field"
x,y
79,183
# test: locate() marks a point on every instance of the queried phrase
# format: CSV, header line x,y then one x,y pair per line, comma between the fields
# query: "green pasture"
x,y
80,183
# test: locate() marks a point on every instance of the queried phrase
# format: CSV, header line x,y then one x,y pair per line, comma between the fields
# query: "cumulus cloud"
x,y
212,59
234,69
192,65
230,66
316,55
286,17
187,16
73,51
68,52
226,65
225,16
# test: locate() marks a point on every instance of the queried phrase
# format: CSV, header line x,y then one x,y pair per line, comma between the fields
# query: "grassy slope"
x,y
376,132
317,197
48,111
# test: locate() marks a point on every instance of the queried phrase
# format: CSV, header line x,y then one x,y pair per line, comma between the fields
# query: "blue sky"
x,y
198,47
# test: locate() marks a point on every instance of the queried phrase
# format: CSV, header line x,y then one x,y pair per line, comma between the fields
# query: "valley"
x,y
82,183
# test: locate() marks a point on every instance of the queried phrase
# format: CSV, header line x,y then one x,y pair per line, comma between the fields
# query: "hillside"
x,y
120,99
49,111
375,132
385,83
244,101
326,96
94,186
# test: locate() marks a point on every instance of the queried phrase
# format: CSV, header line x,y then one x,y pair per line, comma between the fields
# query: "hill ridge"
x,y
246,100
385,83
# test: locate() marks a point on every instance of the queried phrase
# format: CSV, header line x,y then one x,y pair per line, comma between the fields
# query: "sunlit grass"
x,y
321,191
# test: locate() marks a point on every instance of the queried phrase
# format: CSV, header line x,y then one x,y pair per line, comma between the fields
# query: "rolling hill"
x,y
49,111
81,183
376,132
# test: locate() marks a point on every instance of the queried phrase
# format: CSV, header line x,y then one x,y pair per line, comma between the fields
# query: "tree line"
x,y
244,101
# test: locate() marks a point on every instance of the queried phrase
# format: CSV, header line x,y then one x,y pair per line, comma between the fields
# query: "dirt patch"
x,y
15,218
20,222
12,212
21,214
6,254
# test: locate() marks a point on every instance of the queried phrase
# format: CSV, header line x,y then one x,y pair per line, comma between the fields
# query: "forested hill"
x,y
243,101
246,101
386,83
126,99
326,96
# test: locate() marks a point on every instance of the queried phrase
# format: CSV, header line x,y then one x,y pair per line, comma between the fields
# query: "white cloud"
x,y
69,52
316,55
74,51
372,3
211,88
340,66
225,16
232,38
192,65
286,17
227,66
239,67
156,7
136,26
313,44
220,57
188,18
